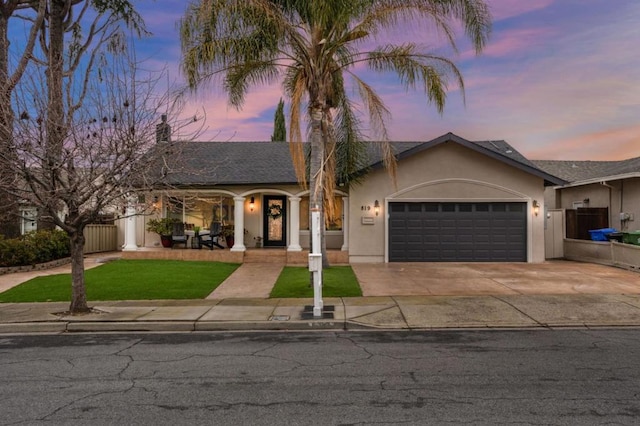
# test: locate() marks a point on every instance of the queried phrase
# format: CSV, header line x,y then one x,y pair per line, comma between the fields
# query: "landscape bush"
x,y
34,247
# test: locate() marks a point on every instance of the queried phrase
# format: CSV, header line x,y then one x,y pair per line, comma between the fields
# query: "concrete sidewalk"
x,y
397,296
398,313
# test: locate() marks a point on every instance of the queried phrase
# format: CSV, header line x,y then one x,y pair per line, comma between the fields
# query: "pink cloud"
x,y
517,41
503,9
611,144
224,122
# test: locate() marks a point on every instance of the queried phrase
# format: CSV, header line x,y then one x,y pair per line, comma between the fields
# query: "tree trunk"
x,y
55,71
9,224
78,290
316,194
316,158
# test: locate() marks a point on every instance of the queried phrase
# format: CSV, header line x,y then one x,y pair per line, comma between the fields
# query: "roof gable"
x,y
498,150
237,163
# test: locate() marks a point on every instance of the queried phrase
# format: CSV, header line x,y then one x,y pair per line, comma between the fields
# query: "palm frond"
x,y
295,87
413,68
240,77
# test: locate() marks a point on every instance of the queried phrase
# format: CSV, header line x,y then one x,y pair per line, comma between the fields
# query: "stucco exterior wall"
x,y
631,203
447,172
620,196
598,196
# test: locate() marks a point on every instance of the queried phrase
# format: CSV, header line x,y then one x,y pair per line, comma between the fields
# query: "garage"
x,y
457,232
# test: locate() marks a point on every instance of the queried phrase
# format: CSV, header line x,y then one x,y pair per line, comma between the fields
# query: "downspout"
x,y
605,184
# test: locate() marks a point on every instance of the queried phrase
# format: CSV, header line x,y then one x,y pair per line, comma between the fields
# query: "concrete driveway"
x,y
473,279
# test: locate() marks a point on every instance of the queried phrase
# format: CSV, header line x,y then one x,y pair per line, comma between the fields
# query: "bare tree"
x,y
109,155
12,67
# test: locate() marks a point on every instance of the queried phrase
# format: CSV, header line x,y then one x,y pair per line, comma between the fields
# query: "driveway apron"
x,y
481,279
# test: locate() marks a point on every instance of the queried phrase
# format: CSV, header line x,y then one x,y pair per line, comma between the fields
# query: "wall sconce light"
x,y
536,207
155,202
376,207
252,203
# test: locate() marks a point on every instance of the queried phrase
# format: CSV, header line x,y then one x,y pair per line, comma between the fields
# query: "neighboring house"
x,y
599,194
454,200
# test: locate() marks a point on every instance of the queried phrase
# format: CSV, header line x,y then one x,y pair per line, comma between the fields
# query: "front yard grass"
x,y
337,281
129,280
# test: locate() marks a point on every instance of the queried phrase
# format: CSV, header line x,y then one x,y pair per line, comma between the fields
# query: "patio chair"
x,y
178,236
211,239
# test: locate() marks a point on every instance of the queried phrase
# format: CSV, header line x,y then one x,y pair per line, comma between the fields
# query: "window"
x,y
333,222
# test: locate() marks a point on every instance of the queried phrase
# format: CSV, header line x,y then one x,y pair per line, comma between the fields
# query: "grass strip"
x,y
129,280
337,281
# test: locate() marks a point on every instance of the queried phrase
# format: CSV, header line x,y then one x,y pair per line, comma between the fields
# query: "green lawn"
x,y
337,281
129,280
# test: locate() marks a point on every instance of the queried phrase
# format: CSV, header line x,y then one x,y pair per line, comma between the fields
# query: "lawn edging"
x,y
36,267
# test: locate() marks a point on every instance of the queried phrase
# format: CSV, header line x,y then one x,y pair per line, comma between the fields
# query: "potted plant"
x,y
162,227
195,241
228,232
258,241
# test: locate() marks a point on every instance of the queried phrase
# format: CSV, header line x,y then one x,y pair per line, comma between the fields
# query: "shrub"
x,y
34,247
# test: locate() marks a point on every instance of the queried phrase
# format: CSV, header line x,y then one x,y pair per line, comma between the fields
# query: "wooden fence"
x,y
100,238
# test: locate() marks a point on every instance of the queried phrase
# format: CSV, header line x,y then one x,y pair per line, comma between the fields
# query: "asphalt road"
x,y
578,377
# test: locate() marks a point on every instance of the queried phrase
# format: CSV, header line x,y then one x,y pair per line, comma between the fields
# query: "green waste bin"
x,y
632,237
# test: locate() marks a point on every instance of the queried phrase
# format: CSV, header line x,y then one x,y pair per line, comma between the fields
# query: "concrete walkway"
x,y
394,313
249,280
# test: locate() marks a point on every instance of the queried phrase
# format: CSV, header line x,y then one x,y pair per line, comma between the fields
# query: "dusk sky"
x,y
558,80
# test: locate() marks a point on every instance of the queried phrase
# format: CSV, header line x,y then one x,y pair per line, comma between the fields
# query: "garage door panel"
x,y
457,232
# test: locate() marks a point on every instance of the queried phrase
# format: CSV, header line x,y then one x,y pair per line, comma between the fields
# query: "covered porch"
x,y
249,218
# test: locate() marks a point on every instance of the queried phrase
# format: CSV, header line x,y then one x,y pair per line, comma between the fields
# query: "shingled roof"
x,y
577,171
237,163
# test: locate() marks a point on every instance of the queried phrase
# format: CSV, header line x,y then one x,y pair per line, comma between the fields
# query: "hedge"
x,y
34,247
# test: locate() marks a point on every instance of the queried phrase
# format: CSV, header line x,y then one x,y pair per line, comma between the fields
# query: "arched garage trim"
x,y
511,195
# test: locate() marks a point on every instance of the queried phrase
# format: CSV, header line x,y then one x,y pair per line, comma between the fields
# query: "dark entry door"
x,y
275,220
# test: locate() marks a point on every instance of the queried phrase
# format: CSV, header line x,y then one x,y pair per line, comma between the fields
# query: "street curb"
x,y
33,327
95,326
268,325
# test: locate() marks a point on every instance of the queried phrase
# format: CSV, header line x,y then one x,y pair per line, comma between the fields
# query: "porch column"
x,y
345,224
294,239
130,228
238,233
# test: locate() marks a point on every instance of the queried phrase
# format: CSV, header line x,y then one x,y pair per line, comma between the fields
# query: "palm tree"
x,y
312,46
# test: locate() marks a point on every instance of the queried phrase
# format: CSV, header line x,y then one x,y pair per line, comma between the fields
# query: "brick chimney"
x,y
163,130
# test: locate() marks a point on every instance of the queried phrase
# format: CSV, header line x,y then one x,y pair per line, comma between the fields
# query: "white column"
x,y
345,224
238,234
130,228
294,238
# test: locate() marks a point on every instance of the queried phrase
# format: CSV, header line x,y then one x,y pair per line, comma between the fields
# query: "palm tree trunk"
x,y
315,163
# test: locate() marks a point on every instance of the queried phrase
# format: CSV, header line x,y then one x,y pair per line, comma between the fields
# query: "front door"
x,y
275,220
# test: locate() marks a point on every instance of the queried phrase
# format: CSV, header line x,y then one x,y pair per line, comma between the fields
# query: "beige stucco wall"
x,y
631,203
447,172
597,194
620,196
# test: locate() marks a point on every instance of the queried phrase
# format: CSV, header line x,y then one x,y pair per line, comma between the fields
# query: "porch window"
x,y
201,211
333,222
